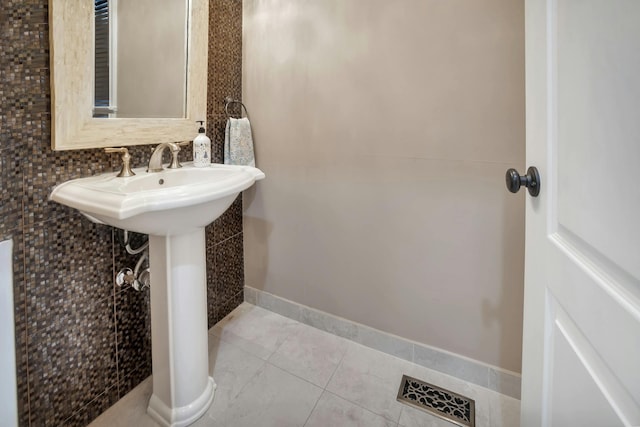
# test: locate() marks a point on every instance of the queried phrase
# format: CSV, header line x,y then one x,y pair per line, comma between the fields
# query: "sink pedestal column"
x,y
182,387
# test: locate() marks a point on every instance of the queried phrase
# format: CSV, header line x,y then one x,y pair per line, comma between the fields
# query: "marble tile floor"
x,y
273,371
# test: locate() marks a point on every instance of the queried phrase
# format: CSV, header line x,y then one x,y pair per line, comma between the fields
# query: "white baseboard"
x,y
473,371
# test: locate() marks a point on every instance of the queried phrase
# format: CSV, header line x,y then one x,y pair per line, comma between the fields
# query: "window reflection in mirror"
x,y
140,58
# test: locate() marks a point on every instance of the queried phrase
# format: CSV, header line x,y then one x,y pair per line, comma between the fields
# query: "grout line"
x,y
137,368
286,337
344,356
413,353
314,408
209,330
228,238
368,410
115,309
85,405
337,366
260,369
26,313
266,361
294,375
444,353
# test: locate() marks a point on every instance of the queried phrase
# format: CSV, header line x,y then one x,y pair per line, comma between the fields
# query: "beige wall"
x,y
152,58
385,129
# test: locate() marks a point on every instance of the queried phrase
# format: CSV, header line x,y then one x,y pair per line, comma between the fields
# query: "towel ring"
x,y
228,100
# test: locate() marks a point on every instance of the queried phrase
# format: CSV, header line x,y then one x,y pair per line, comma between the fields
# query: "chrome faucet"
x,y
155,162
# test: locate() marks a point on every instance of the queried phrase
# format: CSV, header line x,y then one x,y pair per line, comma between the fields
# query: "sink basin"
x,y
165,203
172,207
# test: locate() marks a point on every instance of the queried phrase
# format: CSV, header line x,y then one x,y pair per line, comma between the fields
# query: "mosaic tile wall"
x,y
82,342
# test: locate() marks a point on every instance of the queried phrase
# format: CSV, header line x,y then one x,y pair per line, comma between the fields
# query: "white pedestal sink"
x,y
173,207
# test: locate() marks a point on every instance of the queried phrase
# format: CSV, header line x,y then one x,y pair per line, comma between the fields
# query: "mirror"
x,y
133,78
73,79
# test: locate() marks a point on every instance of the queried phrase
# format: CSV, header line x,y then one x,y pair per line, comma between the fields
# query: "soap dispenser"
x,y
201,148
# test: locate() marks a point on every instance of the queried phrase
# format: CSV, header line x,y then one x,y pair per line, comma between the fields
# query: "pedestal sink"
x,y
172,207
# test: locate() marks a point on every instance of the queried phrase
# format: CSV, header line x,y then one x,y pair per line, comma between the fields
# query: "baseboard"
x,y
473,371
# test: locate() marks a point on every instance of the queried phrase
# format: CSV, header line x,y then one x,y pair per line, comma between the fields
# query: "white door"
x,y
581,340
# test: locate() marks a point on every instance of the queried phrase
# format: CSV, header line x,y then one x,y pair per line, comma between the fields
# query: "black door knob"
x,y
531,180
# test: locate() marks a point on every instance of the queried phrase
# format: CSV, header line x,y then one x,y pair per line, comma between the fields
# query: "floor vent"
x,y
437,401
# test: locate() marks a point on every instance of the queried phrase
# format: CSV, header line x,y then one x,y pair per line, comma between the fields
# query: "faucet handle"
x,y
175,162
126,160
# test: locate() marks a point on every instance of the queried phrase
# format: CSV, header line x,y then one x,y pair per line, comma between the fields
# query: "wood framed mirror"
x,y
74,125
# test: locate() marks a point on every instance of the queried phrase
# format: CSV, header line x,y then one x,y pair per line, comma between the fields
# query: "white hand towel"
x,y
238,143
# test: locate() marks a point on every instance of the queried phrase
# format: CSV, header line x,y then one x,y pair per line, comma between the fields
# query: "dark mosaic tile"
x,y
186,153
210,131
10,194
230,222
230,67
68,262
212,316
217,141
225,51
215,129
229,268
227,225
25,92
225,21
217,148
19,290
68,265
72,360
229,305
212,297
22,383
93,409
140,155
23,56
132,379
49,168
133,323
225,65
209,234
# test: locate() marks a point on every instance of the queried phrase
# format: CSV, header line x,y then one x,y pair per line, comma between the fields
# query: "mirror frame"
x,y
72,84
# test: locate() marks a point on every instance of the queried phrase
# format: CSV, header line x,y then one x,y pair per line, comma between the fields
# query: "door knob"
x,y
531,180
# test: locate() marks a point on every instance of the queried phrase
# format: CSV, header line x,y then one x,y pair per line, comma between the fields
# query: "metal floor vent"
x,y
437,401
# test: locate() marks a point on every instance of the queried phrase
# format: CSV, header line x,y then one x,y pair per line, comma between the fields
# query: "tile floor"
x,y
274,371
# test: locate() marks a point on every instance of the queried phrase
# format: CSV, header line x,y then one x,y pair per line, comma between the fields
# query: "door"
x,y
581,339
